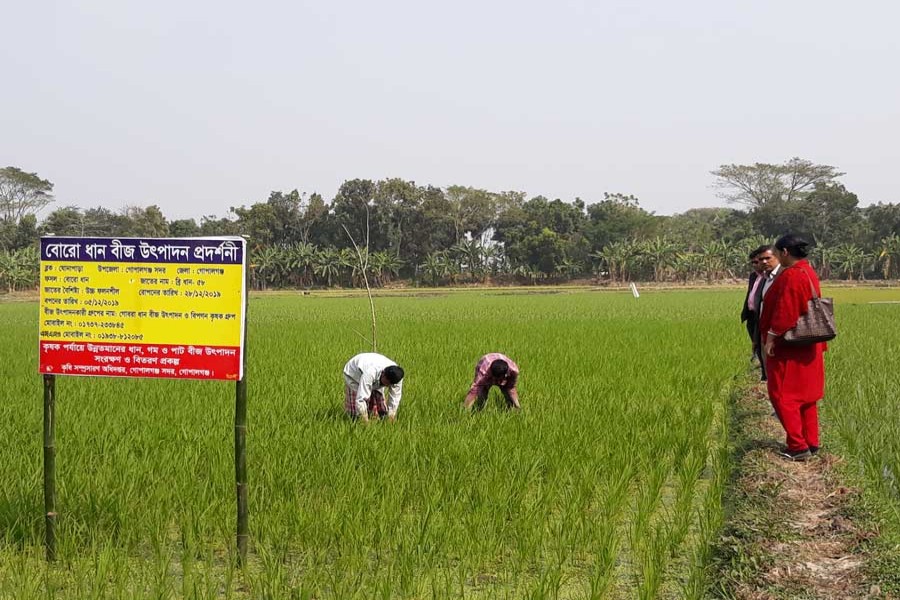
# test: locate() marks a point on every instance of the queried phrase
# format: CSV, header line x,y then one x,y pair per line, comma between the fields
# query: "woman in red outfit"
x,y
796,374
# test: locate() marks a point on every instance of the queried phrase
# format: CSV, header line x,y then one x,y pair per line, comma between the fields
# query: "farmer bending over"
x,y
365,376
494,369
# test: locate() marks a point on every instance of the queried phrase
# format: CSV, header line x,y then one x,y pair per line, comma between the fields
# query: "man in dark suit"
x,y
769,270
749,314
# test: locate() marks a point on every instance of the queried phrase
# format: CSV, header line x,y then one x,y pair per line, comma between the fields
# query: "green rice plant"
x,y
859,414
710,509
610,470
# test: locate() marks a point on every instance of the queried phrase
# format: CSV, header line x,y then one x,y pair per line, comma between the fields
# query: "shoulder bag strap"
x,y
811,286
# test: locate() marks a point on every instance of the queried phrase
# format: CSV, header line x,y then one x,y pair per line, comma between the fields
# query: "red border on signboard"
x,y
140,360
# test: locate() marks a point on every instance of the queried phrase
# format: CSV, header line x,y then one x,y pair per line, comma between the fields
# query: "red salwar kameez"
x,y
796,374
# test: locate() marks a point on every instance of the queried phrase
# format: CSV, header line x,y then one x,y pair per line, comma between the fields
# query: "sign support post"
x,y
240,441
50,465
240,468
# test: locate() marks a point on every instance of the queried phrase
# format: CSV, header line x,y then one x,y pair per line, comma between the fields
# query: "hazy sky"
x,y
199,105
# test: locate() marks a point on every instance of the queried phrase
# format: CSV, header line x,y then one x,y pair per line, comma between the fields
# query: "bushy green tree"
x,y
184,228
618,217
463,233
22,193
760,184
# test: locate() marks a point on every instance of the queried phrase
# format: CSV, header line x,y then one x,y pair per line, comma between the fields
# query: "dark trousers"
x,y
760,354
482,397
756,339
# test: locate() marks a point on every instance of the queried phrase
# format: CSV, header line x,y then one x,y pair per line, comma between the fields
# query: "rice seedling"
x,y
607,484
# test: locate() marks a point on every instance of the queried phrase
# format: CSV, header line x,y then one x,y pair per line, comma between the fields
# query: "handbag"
x,y
817,325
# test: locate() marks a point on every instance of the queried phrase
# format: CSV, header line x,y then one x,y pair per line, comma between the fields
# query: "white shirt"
x,y
770,278
363,374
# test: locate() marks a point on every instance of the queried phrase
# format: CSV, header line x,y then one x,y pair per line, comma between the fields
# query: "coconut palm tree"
x,y
7,269
263,265
824,258
615,255
19,269
749,244
599,266
391,266
494,259
352,265
377,262
890,256
713,258
686,266
384,265
660,253
528,272
619,258
850,260
300,261
328,265
282,273
437,266
469,255
567,268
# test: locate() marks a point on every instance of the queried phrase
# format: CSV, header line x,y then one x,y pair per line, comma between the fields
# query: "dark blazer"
x,y
748,316
759,302
752,318
746,313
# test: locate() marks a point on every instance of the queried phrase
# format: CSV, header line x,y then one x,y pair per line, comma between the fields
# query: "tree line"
x,y
428,235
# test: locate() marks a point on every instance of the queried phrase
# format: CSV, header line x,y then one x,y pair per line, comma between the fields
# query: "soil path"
x,y
791,531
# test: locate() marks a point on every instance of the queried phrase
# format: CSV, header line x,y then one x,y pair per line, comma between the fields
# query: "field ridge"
x,y
792,529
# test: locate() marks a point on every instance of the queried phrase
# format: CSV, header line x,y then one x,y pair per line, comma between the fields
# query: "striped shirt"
x,y
483,378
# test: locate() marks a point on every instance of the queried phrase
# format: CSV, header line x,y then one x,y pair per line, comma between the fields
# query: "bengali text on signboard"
x,y
143,307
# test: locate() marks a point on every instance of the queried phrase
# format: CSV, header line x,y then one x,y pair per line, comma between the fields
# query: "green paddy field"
x,y
609,483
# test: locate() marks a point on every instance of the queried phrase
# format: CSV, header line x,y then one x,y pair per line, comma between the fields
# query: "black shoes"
x,y
798,455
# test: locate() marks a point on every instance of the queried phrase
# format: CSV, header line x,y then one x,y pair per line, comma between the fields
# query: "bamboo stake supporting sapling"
x,y
364,266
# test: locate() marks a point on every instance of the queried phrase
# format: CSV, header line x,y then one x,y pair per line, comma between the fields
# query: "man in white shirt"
x,y
770,279
365,377
771,269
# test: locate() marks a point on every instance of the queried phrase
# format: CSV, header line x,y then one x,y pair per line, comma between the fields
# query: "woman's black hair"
x,y
796,245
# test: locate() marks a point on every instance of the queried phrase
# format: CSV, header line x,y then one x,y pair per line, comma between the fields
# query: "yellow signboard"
x,y
143,307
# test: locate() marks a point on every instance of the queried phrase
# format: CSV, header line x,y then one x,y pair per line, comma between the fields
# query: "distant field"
x,y
607,484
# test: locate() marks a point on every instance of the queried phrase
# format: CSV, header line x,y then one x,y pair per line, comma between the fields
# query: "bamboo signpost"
x,y
148,308
240,443
50,465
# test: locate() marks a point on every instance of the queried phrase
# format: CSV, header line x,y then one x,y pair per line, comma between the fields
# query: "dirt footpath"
x,y
790,529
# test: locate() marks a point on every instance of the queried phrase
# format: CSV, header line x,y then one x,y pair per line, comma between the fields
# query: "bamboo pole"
x,y
50,465
240,439
364,266
240,469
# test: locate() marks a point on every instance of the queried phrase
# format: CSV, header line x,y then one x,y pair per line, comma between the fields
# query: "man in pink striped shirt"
x,y
494,369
